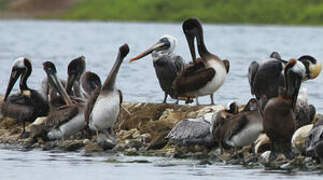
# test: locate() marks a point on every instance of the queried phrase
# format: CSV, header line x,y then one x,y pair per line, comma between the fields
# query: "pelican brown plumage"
x,y
279,116
206,74
28,104
65,120
266,77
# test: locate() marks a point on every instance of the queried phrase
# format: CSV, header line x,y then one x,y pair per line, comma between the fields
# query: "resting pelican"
x,y
65,120
28,104
167,65
198,131
239,129
103,106
278,116
206,74
265,78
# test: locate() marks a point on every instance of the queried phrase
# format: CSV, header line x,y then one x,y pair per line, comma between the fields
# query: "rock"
x,y
92,147
106,141
299,137
158,142
35,128
133,143
71,145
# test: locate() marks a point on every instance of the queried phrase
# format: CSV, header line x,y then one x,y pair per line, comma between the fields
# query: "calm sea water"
x,y
99,42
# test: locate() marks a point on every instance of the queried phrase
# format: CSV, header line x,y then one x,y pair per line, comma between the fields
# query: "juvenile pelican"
x,y
103,106
206,74
75,69
90,81
28,104
239,129
167,65
65,120
278,116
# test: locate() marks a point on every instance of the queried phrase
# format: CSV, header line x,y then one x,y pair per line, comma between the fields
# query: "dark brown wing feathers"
x,y
193,77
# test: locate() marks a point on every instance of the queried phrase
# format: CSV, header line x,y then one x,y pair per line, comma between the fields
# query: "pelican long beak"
x,y
190,40
70,82
150,50
15,73
314,69
53,80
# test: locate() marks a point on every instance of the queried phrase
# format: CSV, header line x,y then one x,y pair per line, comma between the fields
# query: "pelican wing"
x,y
188,132
20,112
237,126
193,77
60,116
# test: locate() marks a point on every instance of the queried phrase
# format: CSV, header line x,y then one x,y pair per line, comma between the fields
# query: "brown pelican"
x,y
28,104
239,129
197,131
65,120
90,81
167,65
103,106
74,71
278,116
206,74
265,78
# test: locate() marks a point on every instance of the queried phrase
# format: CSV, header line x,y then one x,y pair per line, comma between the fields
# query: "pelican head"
x,y
75,69
50,70
313,67
20,66
294,73
232,107
165,45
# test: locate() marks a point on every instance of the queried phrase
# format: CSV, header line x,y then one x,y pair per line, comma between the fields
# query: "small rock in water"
x,y
106,142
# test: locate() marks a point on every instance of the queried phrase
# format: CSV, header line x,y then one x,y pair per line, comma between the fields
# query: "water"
x,y
99,42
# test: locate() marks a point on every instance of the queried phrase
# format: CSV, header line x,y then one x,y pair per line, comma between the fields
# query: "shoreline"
x,y
142,132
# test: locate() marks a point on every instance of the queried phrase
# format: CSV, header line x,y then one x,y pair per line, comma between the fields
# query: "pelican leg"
x,y
177,101
24,134
165,98
212,100
197,101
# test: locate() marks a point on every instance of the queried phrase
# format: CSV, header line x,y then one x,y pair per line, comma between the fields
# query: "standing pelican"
x,y
206,74
103,106
279,116
28,104
265,78
167,65
65,120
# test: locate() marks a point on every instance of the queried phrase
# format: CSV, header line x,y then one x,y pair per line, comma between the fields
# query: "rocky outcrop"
x,y
141,130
